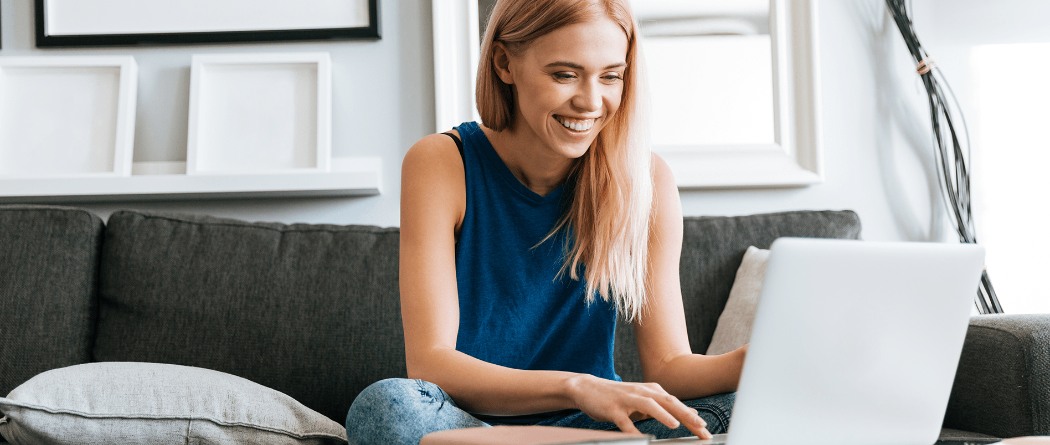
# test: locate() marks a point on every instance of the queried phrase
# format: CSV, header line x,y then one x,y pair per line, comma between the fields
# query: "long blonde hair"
x,y
612,203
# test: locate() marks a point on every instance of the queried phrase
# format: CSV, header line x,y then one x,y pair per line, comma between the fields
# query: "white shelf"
x,y
358,176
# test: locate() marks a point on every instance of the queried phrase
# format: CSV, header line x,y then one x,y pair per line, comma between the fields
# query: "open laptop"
x,y
854,342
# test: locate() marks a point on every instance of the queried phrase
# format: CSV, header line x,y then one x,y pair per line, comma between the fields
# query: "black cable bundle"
x,y
951,164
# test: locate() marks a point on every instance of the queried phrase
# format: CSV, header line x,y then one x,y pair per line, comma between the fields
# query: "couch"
x,y
312,311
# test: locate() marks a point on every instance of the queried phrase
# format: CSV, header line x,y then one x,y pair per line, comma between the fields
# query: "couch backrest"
x,y
48,274
309,310
712,249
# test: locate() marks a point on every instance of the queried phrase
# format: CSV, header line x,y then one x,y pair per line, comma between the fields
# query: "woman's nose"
x,y
588,97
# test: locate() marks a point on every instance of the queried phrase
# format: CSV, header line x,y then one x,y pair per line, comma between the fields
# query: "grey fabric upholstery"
x,y
712,249
313,310
309,310
965,436
1002,386
48,275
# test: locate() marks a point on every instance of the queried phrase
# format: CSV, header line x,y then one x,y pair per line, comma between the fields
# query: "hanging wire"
x,y
952,148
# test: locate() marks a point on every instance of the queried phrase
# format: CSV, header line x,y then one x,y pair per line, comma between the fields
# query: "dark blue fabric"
x,y
514,309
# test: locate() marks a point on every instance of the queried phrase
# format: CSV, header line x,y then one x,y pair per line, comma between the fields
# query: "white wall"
x,y
875,139
383,97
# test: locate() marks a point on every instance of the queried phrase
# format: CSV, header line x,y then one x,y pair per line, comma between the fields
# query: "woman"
x,y
520,248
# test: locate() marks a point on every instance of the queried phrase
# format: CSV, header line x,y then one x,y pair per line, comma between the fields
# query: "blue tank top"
x,y
514,309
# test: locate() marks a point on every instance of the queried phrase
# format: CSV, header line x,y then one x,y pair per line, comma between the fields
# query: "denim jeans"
x,y
402,411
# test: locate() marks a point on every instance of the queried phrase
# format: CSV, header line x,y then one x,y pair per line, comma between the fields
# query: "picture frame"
x,y
70,23
259,114
794,159
67,116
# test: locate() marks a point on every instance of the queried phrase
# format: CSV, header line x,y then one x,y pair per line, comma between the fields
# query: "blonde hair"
x,y
611,207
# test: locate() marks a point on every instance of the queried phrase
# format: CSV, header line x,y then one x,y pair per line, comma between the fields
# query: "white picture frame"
x,y
67,116
794,159
260,114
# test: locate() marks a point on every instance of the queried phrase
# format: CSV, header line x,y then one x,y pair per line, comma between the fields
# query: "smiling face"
x,y
567,84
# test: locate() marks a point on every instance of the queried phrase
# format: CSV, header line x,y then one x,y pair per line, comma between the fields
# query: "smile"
x,y
575,124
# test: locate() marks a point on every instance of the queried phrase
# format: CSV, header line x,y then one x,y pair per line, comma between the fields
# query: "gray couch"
x,y
313,310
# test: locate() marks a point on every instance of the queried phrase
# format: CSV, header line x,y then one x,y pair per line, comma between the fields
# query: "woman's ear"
x,y
501,62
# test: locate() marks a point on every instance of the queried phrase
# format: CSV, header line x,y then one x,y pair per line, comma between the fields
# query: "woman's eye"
x,y
614,77
564,76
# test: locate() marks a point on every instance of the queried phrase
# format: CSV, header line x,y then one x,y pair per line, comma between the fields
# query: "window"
x,y
1009,119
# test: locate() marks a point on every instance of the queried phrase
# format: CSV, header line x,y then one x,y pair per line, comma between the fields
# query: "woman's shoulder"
x,y
432,183
437,150
662,174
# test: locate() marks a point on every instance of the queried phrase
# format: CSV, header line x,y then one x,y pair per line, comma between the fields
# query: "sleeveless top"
x,y
514,309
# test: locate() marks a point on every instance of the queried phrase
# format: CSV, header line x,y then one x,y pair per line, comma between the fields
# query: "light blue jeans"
x,y
402,411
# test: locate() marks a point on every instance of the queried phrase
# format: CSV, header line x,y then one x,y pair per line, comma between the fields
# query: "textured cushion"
x,y
734,325
948,434
1002,386
712,249
309,310
110,403
48,273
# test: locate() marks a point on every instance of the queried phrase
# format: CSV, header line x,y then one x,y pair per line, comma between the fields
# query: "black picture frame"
x,y
43,40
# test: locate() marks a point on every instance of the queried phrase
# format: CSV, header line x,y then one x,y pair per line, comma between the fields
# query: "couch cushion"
x,y
712,249
733,329
48,275
139,403
309,310
1002,386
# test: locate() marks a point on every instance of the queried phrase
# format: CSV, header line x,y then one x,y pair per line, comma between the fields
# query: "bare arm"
x,y
433,202
663,342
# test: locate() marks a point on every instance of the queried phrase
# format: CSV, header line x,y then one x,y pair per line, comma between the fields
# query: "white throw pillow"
x,y
734,325
146,403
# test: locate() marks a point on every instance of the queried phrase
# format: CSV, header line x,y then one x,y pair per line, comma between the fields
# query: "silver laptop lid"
x,y
855,342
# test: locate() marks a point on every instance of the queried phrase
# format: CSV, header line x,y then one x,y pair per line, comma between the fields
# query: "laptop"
x,y
854,343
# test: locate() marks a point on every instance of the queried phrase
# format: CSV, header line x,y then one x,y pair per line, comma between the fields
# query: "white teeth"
x,y
576,125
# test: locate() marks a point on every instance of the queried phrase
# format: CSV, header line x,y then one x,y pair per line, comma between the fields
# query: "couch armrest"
x,y
1002,386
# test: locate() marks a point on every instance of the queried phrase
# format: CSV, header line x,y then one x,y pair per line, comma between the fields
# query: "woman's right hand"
x,y
623,403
